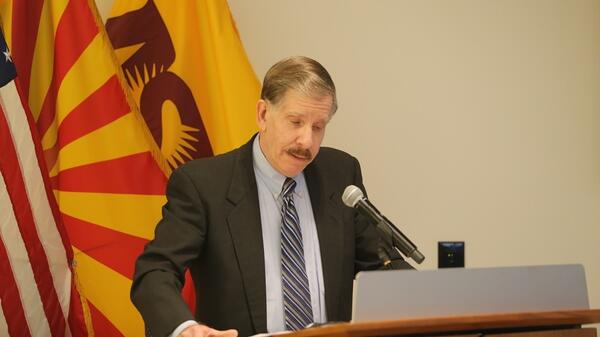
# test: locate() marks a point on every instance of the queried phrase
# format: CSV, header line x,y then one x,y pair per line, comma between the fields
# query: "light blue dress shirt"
x,y
270,183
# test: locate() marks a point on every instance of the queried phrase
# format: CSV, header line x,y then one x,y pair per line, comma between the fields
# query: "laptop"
x,y
401,294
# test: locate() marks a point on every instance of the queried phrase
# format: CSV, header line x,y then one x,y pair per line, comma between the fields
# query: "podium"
x,y
526,324
528,301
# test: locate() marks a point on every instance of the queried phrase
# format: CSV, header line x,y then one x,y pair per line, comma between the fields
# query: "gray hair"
x,y
300,73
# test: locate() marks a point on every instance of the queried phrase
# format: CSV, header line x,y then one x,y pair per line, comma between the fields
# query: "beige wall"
x,y
473,120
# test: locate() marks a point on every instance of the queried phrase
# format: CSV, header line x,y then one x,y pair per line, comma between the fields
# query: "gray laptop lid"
x,y
397,294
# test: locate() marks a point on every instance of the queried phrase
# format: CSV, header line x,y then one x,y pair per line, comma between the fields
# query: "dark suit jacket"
x,y
211,224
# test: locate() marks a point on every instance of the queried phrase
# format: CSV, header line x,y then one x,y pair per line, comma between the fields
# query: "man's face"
x,y
291,132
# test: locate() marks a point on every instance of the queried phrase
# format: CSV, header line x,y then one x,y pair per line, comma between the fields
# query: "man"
x,y
269,243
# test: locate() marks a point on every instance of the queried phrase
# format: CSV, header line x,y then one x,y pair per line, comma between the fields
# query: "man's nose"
x,y
305,137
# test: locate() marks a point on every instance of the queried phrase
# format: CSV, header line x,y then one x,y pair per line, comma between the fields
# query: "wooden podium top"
x,y
466,324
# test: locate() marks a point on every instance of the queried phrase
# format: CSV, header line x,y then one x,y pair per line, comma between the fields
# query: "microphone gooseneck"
x,y
353,197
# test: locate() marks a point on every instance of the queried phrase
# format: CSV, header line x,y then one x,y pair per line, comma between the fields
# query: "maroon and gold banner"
x,y
189,74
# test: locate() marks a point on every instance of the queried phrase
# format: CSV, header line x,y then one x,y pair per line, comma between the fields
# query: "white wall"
x,y
473,120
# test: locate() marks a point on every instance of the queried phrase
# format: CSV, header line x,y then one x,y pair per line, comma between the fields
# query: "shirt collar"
x,y
272,179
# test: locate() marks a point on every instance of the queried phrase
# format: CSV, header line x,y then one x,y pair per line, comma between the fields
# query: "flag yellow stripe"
x,y
88,74
43,55
134,214
108,291
6,20
120,138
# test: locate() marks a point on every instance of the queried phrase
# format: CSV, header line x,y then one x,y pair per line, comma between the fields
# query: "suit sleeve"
x,y
159,272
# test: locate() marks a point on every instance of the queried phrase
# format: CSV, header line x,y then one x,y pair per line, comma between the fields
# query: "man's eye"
x,y
317,127
295,122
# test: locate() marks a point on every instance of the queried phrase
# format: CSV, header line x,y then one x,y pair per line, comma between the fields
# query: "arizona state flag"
x,y
189,73
106,172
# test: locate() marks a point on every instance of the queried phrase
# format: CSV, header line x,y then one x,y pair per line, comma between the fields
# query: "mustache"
x,y
300,152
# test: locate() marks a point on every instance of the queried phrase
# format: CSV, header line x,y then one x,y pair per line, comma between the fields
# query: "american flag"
x,y
37,293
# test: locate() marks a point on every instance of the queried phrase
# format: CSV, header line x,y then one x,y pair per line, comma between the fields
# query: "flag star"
x,y
7,55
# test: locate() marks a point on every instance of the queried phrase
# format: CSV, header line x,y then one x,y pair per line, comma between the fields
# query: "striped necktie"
x,y
296,294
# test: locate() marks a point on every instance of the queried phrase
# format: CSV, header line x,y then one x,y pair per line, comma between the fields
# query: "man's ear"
x,y
261,114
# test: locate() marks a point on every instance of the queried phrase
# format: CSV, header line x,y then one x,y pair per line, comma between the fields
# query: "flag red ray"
x,y
69,44
116,250
10,299
106,176
9,165
24,35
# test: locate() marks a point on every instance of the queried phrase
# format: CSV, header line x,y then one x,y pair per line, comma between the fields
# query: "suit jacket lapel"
x,y
244,225
330,230
246,233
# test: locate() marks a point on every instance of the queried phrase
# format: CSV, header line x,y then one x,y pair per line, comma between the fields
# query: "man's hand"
x,y
200,330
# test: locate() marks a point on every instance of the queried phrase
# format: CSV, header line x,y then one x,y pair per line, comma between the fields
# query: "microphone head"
x,y
352,195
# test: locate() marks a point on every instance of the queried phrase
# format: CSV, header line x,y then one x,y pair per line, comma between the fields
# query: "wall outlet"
x,y
451,254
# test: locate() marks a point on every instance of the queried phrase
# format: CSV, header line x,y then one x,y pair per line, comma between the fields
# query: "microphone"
x,y
353,197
